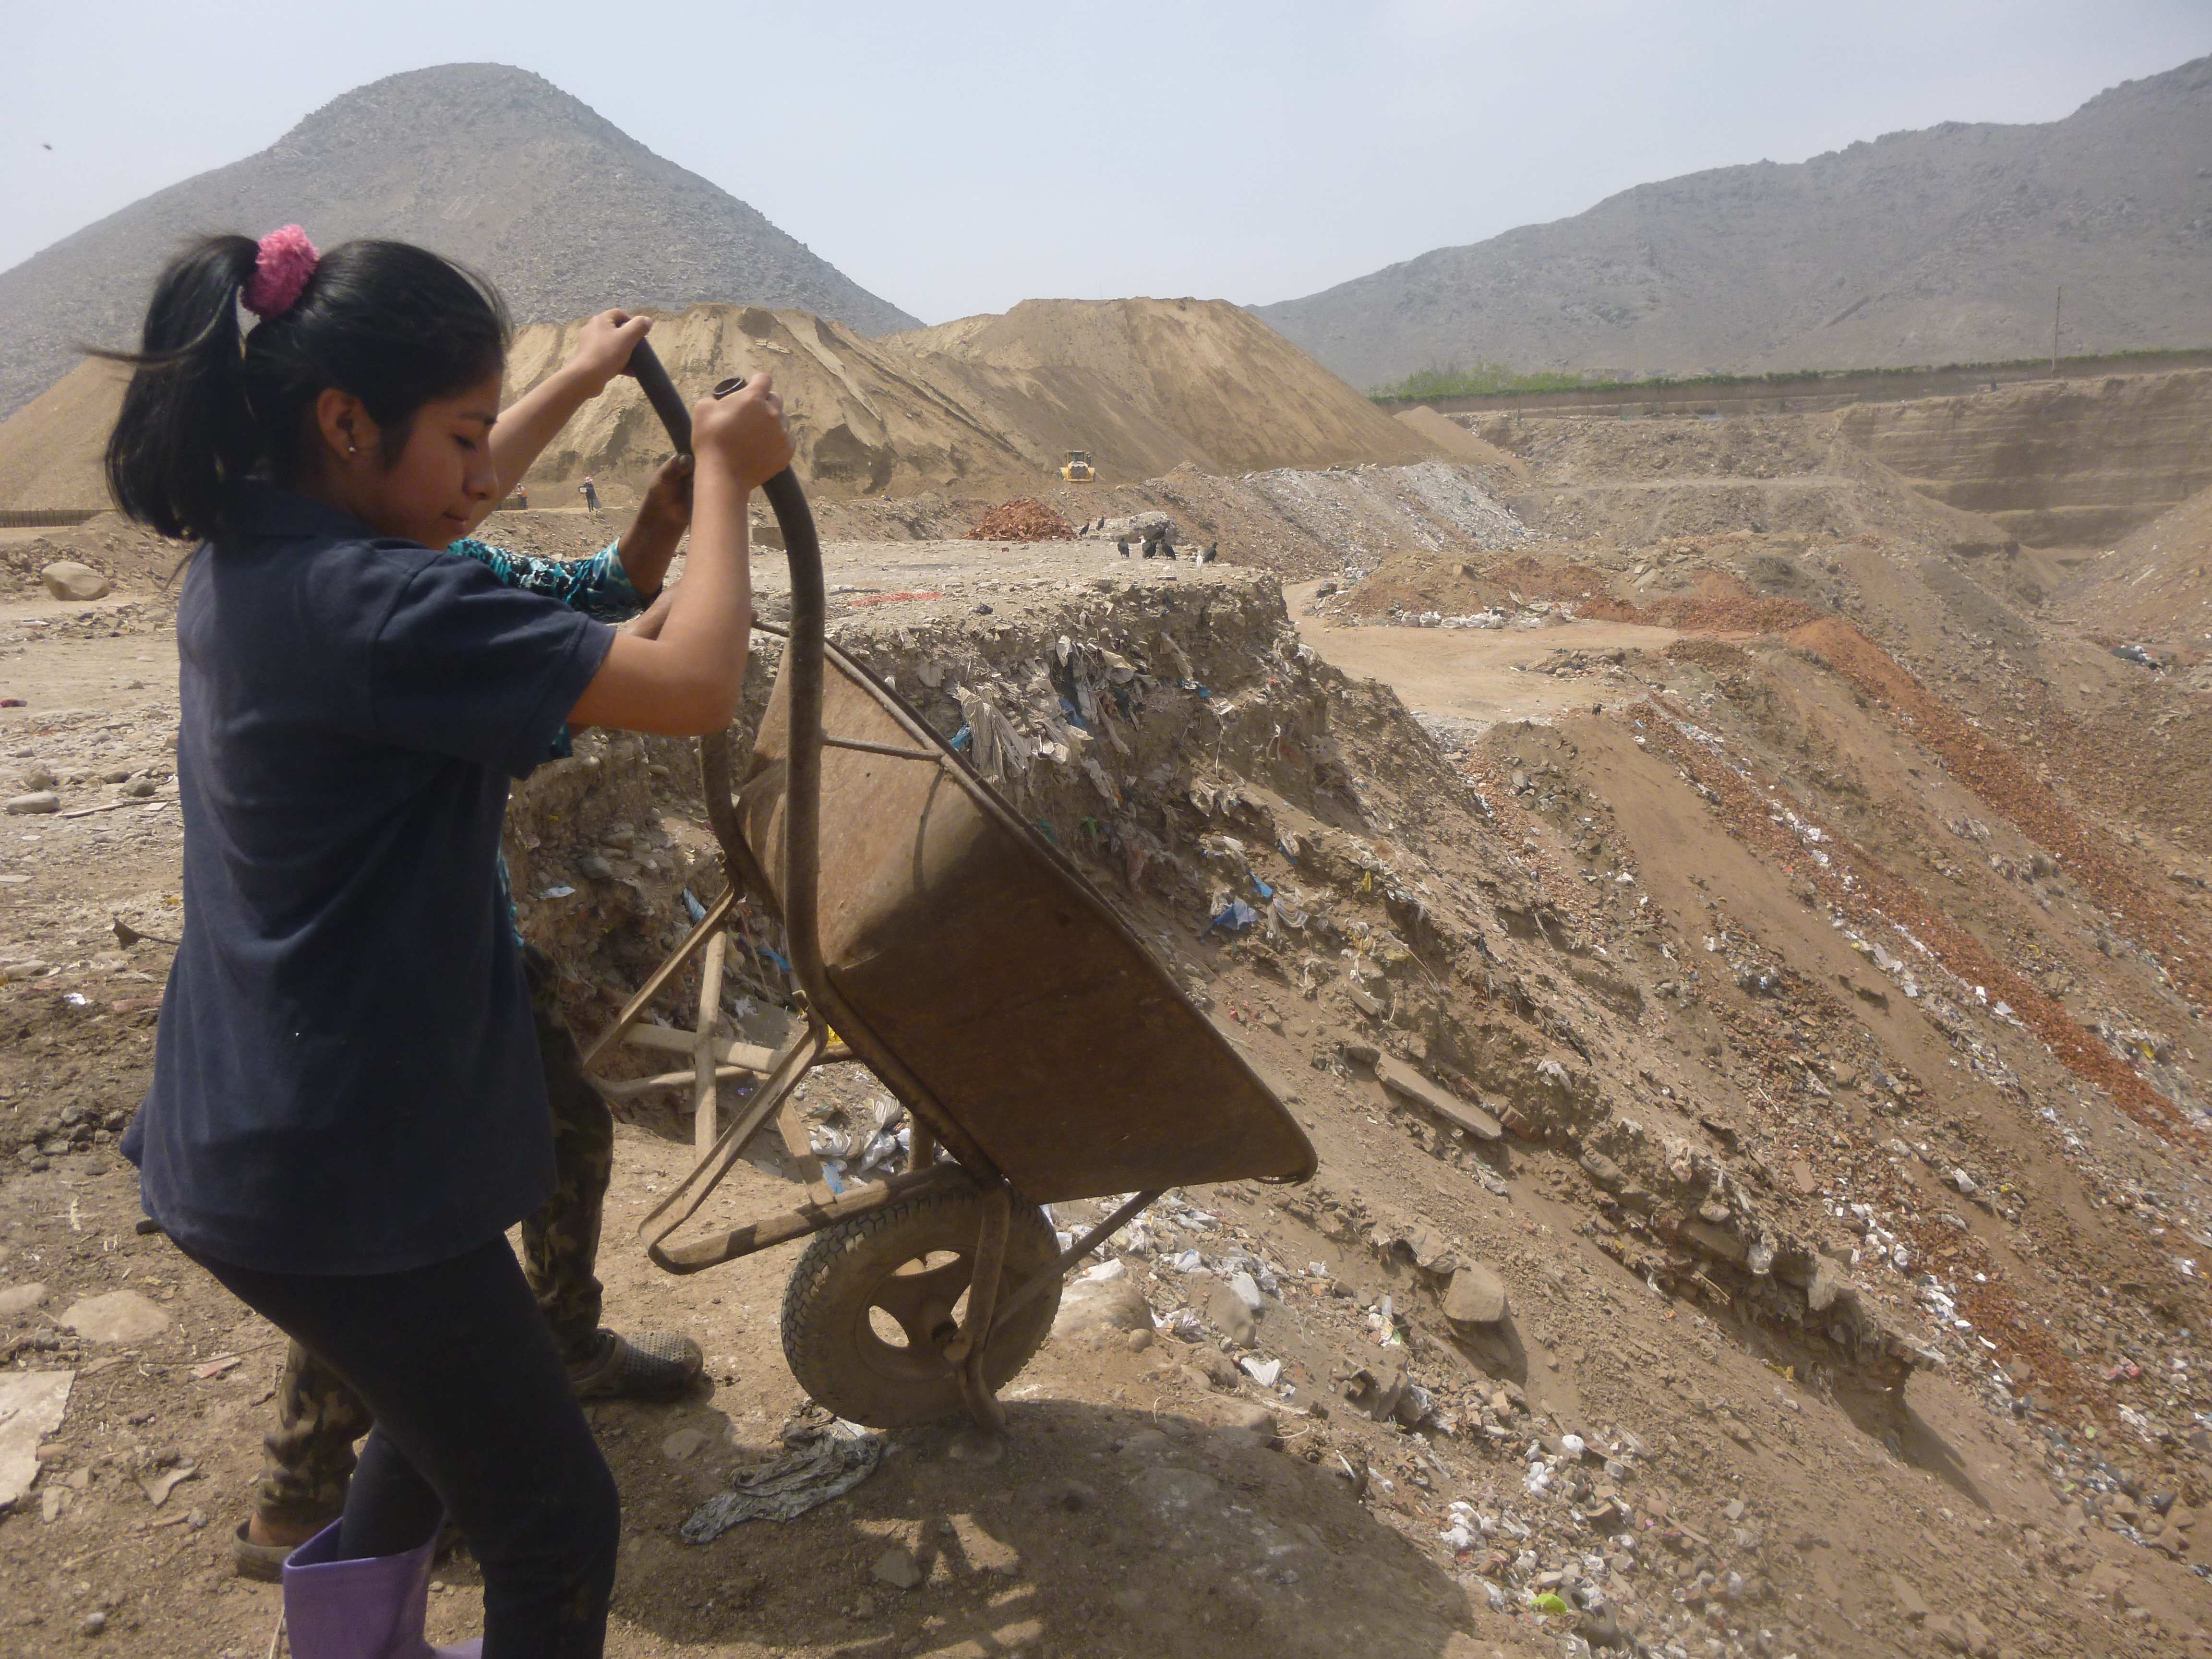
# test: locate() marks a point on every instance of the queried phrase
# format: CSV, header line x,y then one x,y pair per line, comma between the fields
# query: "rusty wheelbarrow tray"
x,y
965,960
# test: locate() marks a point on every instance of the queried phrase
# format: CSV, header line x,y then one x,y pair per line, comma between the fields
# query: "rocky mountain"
x,y
494,166
1942,246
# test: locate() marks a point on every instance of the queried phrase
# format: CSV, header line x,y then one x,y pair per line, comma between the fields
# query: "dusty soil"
x,y
1849,1203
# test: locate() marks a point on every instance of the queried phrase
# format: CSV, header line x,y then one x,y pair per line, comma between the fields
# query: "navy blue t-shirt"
x,y
345,1079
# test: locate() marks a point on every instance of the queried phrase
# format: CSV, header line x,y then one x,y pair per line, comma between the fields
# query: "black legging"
x,y
474,1416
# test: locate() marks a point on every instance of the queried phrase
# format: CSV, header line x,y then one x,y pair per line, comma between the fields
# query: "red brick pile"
x,y
1024,520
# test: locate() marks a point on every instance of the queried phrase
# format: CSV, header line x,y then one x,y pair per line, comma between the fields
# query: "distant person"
x,y
590,492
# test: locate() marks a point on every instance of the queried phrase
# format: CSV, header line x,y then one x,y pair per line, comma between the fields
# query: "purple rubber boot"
x,y
370,1608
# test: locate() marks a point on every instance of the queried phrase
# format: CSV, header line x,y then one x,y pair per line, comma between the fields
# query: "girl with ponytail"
x,y
348,1110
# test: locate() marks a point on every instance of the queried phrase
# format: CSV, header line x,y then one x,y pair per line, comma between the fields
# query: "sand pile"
x,y
1148,385
1027,520
983,408
50,449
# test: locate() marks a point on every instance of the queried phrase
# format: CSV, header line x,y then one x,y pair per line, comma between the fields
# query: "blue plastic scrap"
x,y
1236,919
693,908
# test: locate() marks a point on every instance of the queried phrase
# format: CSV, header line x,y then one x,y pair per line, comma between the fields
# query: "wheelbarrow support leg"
x,y
706,1092
965,1350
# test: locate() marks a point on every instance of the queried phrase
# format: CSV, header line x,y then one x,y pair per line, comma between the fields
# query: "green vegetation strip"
x,y
1489,380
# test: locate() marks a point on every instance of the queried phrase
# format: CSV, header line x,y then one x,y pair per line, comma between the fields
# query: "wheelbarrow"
x,y
1042,1054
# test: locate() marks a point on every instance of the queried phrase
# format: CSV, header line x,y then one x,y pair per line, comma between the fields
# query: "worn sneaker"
x,y
659,1366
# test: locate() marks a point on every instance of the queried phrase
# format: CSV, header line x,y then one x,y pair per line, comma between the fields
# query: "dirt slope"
x,y
1936,246
1811,1308
2151,584
490,164
2055,465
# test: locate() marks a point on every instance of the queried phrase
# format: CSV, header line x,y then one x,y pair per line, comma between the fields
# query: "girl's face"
x,y
442,482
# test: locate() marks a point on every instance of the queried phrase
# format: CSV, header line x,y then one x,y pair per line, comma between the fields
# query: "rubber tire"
x,y
836,1356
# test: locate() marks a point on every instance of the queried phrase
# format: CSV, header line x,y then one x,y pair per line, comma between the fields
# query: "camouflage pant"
x,y
309,1455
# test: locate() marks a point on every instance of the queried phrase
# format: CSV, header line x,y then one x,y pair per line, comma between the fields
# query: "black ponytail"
x,y
209,404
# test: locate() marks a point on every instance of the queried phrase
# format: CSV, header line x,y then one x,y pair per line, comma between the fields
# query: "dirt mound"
x,y
1148,385
50,448
128,554
2152,585
1026,519
1459,442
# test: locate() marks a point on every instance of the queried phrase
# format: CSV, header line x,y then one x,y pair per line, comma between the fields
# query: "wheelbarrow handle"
x,y
809,613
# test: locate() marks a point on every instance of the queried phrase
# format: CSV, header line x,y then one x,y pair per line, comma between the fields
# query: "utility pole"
x,y
2057,302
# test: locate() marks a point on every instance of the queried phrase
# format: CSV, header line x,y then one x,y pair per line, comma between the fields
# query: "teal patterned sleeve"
x,y
599,586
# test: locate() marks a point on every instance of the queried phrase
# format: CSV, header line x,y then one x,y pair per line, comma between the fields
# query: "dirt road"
x,y
1480,676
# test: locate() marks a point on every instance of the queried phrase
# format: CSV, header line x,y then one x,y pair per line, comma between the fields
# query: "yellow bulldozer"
x,y
1077,468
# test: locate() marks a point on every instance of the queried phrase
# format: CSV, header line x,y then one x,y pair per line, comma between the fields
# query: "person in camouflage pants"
x,y
308,1457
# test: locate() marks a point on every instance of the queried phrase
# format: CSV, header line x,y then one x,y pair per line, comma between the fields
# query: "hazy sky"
x,y
955,159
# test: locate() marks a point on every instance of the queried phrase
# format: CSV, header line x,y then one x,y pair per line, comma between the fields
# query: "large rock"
x,y
65,579
31,1406
1477,1296
1830,1286
1409,1086
1715,1241
39,801
1102,1305
117,1317
1228,1313
21,1298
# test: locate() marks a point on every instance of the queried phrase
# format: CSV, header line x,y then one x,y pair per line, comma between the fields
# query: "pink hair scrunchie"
x,y
281,271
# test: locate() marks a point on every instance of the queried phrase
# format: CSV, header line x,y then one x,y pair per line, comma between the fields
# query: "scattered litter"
x,y
1262,1371
1235,918
820,1462
564,890
30,1408
157,1487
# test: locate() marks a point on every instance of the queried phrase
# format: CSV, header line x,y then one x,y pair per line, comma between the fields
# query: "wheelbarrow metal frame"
x,y
990,1305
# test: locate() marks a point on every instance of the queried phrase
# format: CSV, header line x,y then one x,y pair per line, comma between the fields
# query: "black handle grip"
x,y
809,615
645,367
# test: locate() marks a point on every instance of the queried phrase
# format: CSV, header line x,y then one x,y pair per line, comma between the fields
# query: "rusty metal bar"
x,y
631,1088
892,750
706,1174
756,1235
984,1276
706,1094
652,987
1074,1253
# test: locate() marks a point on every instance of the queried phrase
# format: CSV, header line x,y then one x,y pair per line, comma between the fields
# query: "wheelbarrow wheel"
x,y
870,1298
